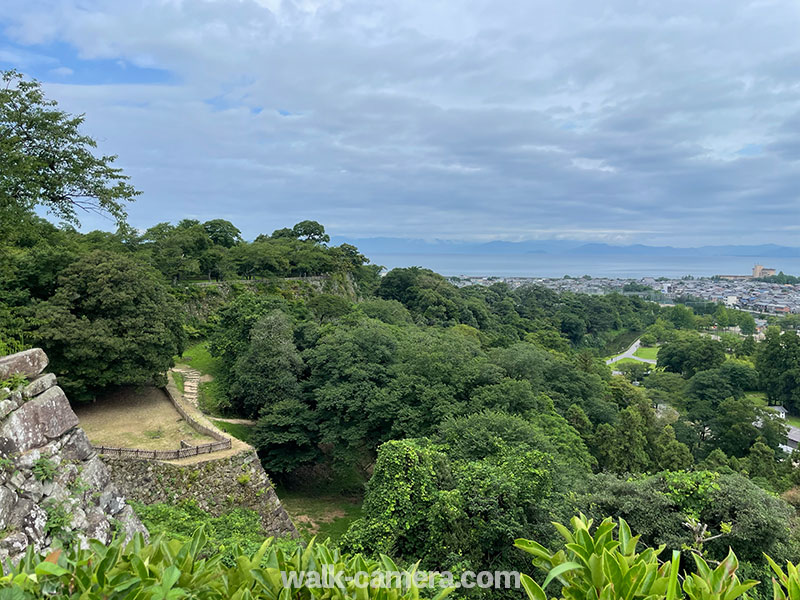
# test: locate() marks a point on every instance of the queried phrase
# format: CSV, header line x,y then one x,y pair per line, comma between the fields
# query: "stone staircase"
x,y
191,383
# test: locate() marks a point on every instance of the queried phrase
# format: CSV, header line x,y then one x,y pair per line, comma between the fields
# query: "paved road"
x,y
629,354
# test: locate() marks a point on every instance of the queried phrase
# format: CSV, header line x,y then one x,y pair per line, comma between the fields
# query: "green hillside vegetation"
x,y
464,417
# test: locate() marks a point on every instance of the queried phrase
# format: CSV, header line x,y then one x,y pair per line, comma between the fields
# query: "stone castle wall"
x,y
53,486
217,486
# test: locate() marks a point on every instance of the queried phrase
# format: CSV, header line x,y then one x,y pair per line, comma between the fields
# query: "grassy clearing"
x,y
237,430
793,421
650,353
178,378
211,398
136,417
324,516
627,361
198,357
759,398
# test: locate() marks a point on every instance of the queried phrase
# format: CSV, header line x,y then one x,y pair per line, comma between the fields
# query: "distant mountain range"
x,y
386,245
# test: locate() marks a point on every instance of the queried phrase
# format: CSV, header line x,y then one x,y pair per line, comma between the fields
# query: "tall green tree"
x,y
778,365
223,233
46,161
111,321
691,353
267,372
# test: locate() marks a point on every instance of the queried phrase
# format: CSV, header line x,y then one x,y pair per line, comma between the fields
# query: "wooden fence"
x,y
222,442
184,451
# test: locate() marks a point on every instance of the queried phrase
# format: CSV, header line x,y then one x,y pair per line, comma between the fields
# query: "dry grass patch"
x,y
321,515
136,417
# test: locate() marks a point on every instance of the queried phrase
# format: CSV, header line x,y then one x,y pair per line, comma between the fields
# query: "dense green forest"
x,y
467,417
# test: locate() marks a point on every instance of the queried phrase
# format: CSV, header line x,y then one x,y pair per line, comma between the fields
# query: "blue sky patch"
x,y
59,62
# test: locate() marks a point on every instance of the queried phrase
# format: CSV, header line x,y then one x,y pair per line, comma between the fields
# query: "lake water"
x,y
558,265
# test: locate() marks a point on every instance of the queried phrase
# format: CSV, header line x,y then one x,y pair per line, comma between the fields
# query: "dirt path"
x,y
191,383
192,378
188,401
235,421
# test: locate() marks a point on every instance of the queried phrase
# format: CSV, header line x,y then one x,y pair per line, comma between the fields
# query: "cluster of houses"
x,y
740,292
792,432
744,294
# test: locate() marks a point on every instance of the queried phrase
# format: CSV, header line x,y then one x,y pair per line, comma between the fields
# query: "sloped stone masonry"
x,y
216,486
53,486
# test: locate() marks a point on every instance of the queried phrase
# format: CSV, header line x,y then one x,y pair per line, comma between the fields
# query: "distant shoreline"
x,y
555,266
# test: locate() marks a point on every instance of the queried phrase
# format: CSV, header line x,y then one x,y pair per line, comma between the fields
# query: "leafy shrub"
x,y
597,564
17,380
44,469
239,528
7,464
171,569
59,521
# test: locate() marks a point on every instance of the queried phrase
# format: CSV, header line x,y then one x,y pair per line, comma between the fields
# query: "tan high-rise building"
x,y
762,271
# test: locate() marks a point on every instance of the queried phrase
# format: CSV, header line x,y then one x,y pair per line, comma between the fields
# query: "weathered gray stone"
x,y
58,493
45,426
131,523
28,459
76,446
214,485
98,527
95,474
6,406
14,543
36,422
28,363
79,520
22,509
34,524
66,475
7,501
111,501
33,489
17,479
39,385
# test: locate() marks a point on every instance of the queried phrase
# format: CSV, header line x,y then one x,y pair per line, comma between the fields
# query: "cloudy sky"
x,y
621,121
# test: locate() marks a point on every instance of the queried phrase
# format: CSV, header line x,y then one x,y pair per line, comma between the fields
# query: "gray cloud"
x,y
621,121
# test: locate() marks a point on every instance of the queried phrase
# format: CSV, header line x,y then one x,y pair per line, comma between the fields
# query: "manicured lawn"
x,y
321,515
650,353
620,343
211,398
761,398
